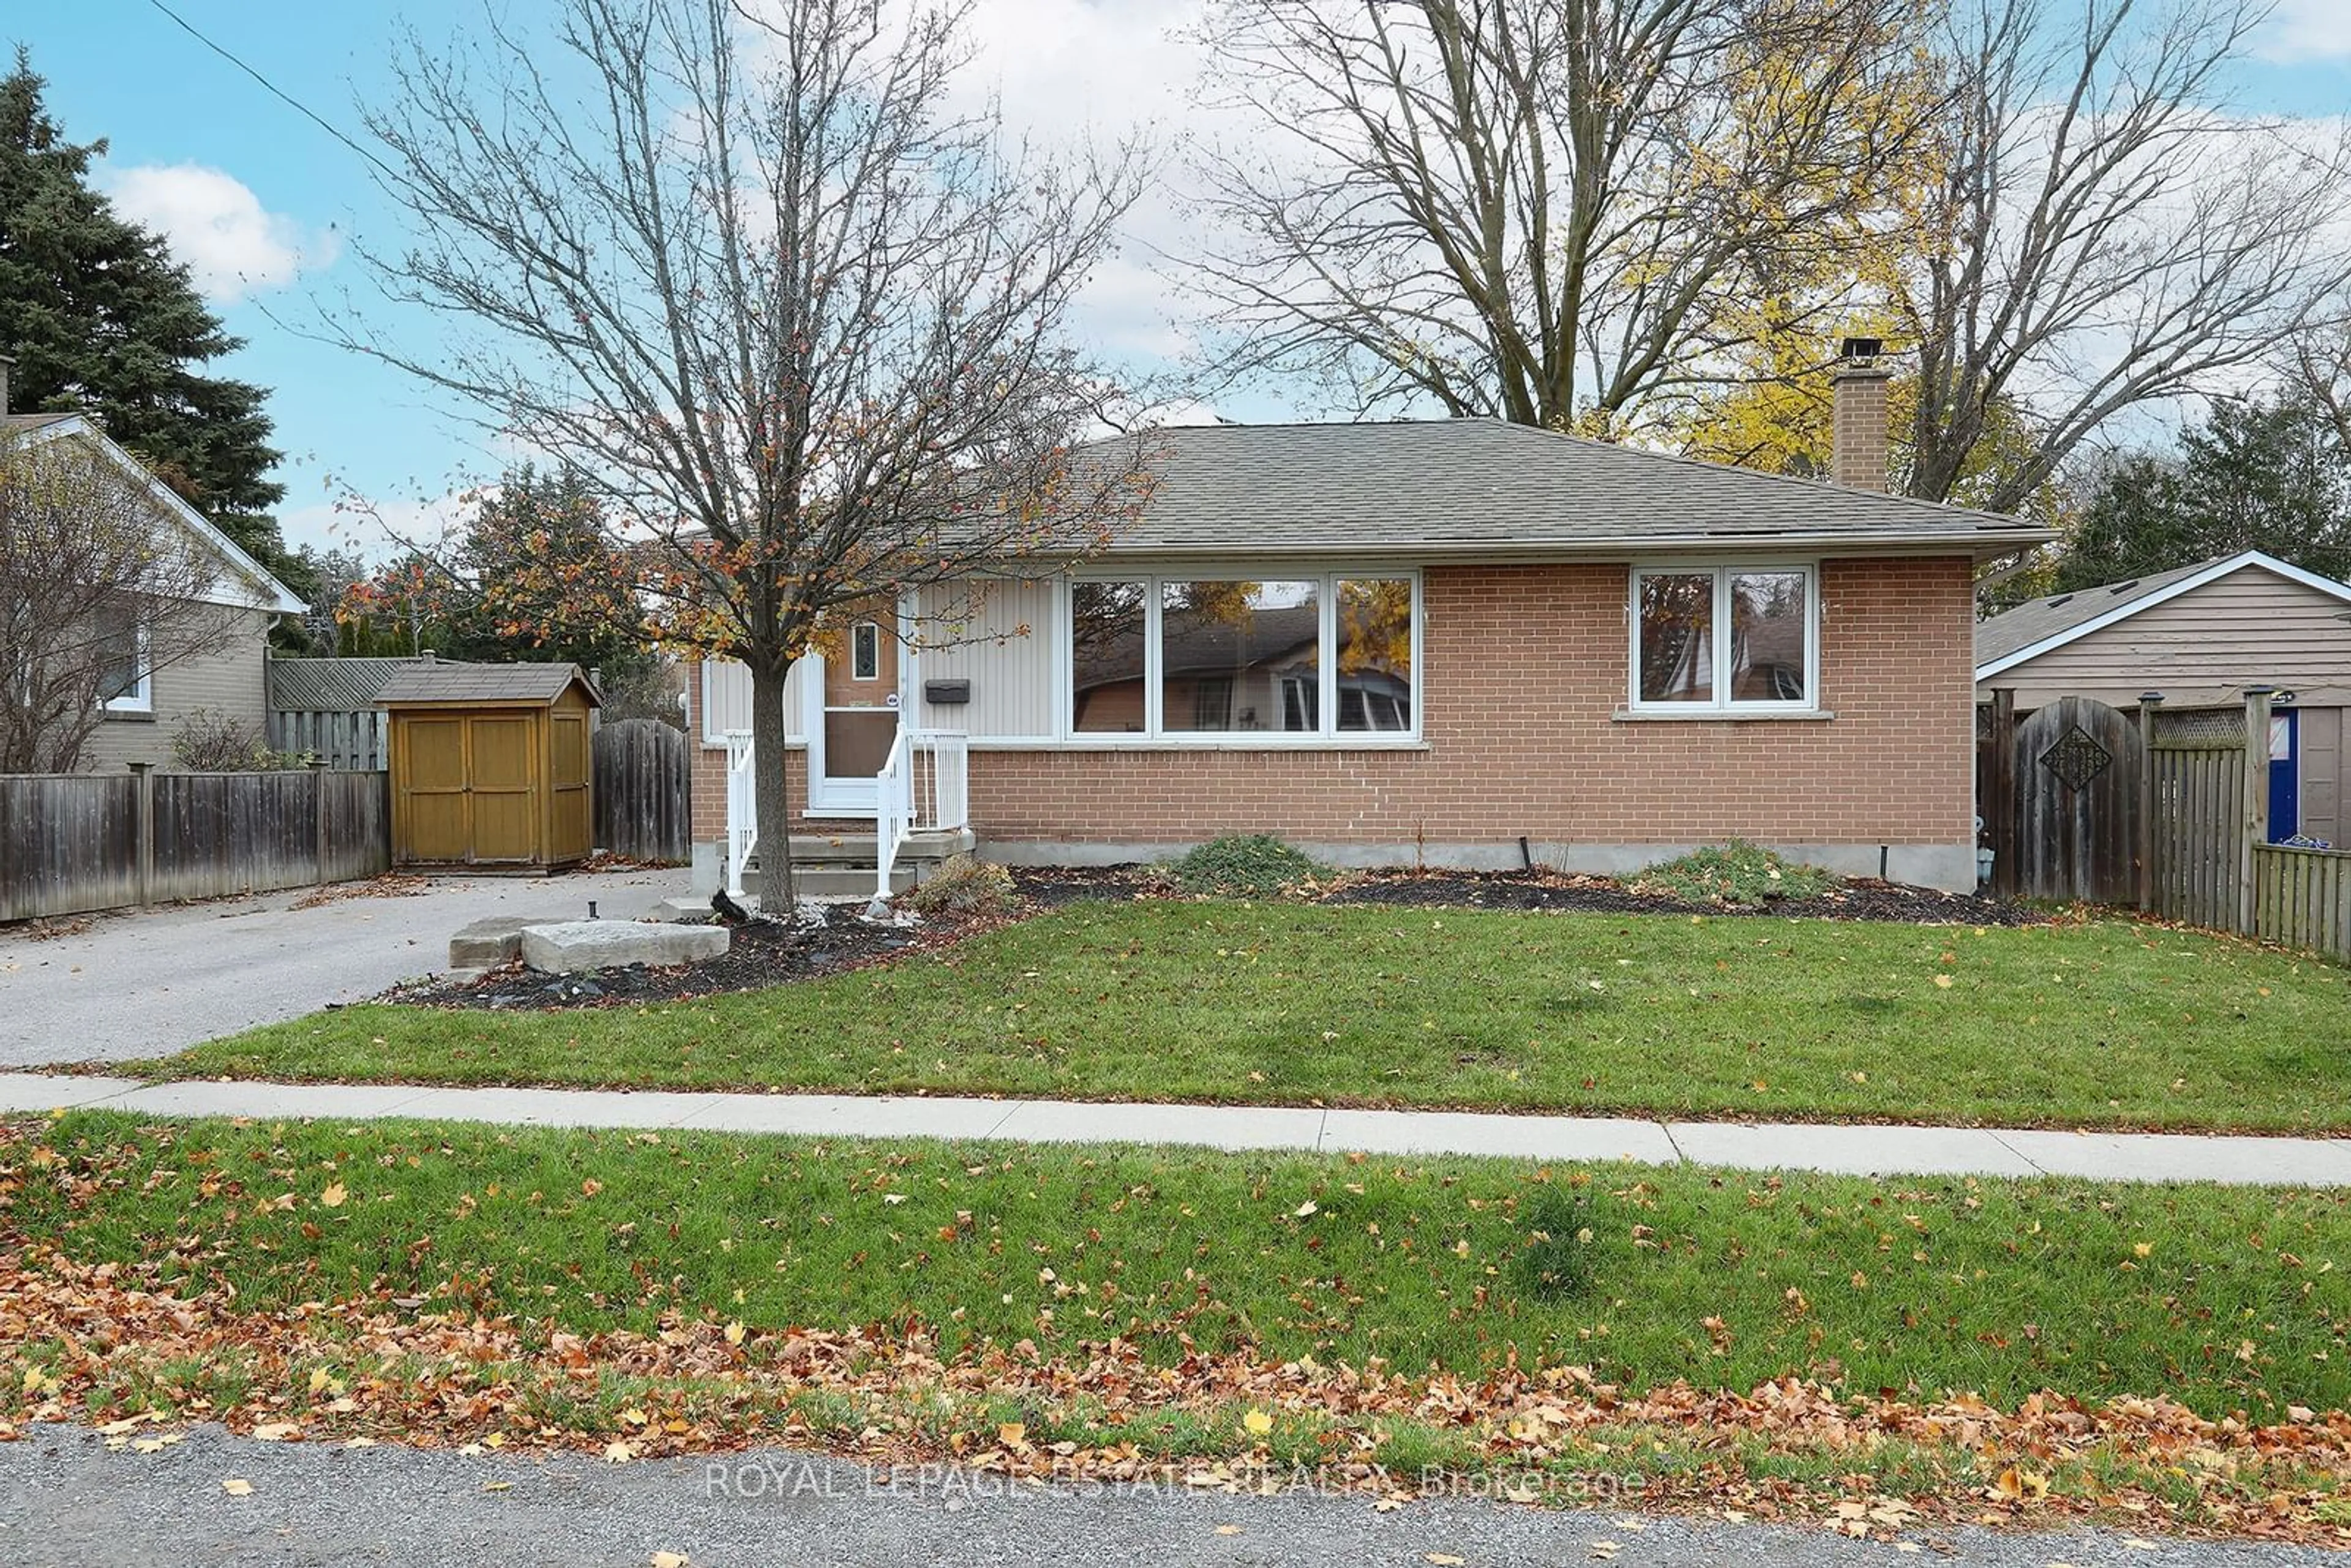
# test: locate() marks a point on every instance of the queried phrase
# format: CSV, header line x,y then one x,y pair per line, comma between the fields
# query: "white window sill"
x,y
1694,714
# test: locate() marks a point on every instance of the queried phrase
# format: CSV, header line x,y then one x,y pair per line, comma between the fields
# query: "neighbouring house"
x,y
2200,635
1454,643
151,694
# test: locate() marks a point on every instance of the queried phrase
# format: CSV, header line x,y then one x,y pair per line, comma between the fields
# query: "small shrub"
x,y
1243,866
1736,873
209,741
1561,1260
965,885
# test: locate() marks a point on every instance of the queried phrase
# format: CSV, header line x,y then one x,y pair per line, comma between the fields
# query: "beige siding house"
x,y
2200,635
141,723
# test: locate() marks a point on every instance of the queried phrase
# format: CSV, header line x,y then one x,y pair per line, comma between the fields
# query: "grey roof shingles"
x,y
1478,485
445,681
329,685
2039,619
32,420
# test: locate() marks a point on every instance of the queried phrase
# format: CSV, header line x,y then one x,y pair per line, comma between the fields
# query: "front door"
x,y
851,737
2285,775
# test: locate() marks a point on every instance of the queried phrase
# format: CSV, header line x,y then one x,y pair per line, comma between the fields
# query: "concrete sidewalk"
x,y
1848,1150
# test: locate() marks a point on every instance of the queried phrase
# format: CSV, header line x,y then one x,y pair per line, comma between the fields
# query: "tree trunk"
x,y
771,781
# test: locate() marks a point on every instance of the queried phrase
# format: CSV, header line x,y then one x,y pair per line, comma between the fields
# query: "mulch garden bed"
x,y
1550,890
768,953
764,953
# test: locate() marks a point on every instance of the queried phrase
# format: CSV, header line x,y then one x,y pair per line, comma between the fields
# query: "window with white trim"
x,y
125,683
1218,656
1725,639
865,652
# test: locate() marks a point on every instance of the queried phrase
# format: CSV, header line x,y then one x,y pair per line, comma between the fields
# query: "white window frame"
x,y
865,638
1720,638
140,697
1326,578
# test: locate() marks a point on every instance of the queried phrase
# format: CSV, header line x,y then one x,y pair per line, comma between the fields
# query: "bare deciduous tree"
x,y
1544,210
2105,234
795,315
96,587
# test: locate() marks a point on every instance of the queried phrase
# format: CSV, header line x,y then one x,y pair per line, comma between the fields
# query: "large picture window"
x,y
1724,639
1219,656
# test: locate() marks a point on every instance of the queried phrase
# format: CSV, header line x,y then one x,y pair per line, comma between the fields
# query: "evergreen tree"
x,y
2267,476
100,320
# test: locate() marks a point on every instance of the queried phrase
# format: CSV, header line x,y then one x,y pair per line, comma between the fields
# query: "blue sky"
x,y
265,204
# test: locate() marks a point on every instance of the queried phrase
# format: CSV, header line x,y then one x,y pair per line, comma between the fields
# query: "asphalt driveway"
x,y
149,984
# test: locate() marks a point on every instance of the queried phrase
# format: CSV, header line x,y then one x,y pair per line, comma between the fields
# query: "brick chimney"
x,y
1860,429
6,364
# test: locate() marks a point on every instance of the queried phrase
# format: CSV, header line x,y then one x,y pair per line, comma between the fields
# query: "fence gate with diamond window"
x,y
2070,776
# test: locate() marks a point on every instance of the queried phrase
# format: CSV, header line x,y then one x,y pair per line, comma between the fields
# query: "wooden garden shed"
x,y
490,765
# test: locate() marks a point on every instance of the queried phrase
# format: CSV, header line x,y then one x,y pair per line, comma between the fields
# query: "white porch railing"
x,y
742,809
925,786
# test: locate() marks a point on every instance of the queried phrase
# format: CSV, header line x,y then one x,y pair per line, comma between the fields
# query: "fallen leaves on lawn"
x,y
79,1341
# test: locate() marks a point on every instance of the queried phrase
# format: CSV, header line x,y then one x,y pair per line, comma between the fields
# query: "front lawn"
x,y
1887,1355
2225,1297
2108,1024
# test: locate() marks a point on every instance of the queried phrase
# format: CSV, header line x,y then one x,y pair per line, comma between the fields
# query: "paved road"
x,y
1847,1150
65,1501
150,984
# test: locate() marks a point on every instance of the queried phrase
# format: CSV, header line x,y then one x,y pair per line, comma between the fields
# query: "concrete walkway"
x,y
1849,1150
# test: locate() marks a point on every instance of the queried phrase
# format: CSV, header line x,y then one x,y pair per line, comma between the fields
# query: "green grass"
x,y
2106,1024
2002,1288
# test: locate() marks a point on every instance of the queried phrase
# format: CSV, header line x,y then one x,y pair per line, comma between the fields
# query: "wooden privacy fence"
x,y
2302,898
2197,826
71,844
644,791
351,742
2167,811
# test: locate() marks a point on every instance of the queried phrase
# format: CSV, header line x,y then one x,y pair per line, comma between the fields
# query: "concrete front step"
x,y
858,849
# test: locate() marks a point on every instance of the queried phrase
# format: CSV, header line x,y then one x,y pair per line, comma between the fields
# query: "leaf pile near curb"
x,y
83,1343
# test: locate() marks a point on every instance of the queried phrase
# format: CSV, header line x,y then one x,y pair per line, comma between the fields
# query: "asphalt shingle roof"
x,y
445,681
1474,485
31,421
329,685
2039,619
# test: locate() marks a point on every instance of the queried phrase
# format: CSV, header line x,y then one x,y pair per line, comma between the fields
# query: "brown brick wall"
x,y
1523,670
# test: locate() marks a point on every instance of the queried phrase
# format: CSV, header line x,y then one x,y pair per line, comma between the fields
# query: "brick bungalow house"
x,y
1456,642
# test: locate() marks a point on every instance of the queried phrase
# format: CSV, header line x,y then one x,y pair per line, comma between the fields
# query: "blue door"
x,y
2285,775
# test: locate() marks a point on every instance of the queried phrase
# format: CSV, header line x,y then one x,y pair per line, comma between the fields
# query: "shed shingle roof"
x,y
1473,486
444,680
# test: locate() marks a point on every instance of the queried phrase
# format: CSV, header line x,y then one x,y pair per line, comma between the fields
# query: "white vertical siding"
x,y
725,700
1000,635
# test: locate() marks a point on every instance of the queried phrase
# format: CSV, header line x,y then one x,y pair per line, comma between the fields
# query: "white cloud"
x,y
1068,70
377,529
214,223
2299,29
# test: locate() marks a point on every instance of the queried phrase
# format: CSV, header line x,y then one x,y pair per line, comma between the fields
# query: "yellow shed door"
x,y
504,799
440,828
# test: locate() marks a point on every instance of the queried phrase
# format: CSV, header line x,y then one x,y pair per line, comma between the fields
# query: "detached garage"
x,y
2201,635
490,765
